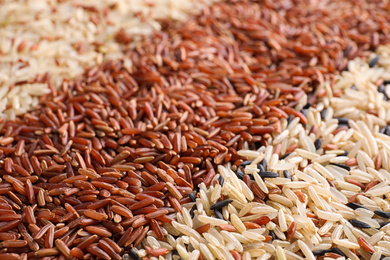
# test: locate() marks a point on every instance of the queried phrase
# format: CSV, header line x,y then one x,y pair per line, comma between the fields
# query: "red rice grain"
x,y
76,252
365,245
95,250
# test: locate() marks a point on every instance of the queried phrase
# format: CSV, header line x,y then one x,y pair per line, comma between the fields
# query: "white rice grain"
x,y
306,250
345,243
211,220
206,253
194,255
237,223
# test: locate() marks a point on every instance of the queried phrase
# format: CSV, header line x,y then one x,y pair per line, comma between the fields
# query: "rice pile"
x,y
318,191
43,42
122,159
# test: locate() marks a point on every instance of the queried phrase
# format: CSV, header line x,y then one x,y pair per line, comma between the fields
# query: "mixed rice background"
x,y
195,130
44,42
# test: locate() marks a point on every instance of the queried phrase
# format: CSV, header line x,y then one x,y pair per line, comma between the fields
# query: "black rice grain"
x,y
343,121
192,211
359,224
192,197
308,105
264,163
317,143
268,175
323,113
374,61
221,180
321,252
383,214
354,205
218,214
272,234
221,204
284,156
134,255
382,89
289,119
261,167
338,251
287,175
346,167
345,153
240,174
245,163
384,224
